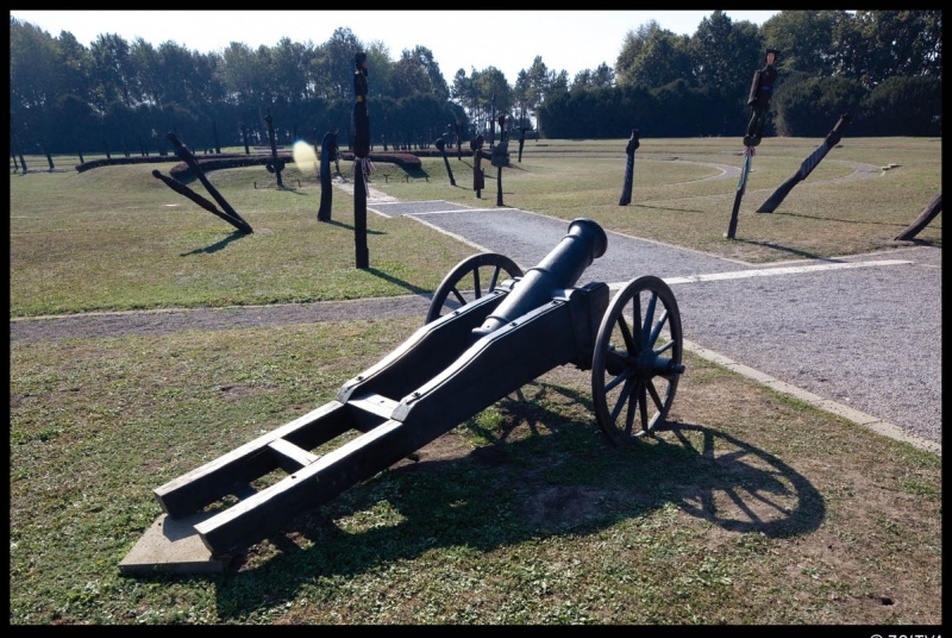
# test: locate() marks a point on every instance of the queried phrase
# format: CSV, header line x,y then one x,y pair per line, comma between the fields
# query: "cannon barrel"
x,y
560,269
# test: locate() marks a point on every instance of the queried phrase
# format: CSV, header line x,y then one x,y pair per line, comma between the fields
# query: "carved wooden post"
x,y
492,124
276,165
361,118
629,168
500,158
761,90
215,137
328,150
478,181
244,137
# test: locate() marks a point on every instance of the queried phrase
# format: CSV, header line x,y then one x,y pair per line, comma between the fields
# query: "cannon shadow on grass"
x,y
537,475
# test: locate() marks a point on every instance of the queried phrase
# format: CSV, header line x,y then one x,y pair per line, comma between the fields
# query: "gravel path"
x,y
159,322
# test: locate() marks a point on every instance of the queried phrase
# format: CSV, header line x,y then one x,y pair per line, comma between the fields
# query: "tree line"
x,y
883,67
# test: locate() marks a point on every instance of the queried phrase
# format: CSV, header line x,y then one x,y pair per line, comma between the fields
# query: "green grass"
x,y
118,239
756,509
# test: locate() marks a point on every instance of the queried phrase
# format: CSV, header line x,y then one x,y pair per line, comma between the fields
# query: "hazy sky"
x,y
508,40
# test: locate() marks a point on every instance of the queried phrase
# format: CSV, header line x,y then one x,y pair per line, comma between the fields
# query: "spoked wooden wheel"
x,y
637,360
471,279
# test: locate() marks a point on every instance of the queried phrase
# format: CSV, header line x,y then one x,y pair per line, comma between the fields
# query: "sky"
x,y
508,40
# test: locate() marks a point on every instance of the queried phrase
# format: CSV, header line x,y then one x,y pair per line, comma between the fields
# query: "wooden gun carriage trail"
x,y
490,330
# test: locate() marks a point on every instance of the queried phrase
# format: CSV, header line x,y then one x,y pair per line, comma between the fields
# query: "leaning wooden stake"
x,y
186,156
739,193
201,201
926,216
229,214
806,167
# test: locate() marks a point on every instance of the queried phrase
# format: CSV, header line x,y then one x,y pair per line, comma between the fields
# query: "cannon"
x,y
490,330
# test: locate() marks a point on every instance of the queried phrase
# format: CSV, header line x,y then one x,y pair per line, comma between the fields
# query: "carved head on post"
x,y
361,119
477,143
329,146
360,63
633,142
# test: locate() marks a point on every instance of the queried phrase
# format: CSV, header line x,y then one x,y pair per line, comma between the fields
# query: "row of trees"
x,y
882,66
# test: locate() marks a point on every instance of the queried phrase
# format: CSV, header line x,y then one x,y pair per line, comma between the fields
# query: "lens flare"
x,y
305,158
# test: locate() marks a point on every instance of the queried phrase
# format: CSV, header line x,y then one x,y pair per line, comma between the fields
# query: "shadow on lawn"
x,y
541,474
218,245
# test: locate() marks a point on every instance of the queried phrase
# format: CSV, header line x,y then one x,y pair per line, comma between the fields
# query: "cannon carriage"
x,y
490,330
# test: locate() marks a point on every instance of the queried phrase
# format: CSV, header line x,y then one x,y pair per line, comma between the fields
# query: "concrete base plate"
x,y
172,546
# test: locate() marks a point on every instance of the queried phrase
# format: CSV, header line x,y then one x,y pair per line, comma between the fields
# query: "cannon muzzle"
x,y
560,269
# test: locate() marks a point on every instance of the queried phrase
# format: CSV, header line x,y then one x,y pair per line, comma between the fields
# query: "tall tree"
x,y
76,63
289,70
149,72
242,75
464,94
805,40
725,55
34,61
521,102
602,77
662,57
334,64
898,43
558,82
409,76
208,89
114,72
538,83
492,89
631,48
417,72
